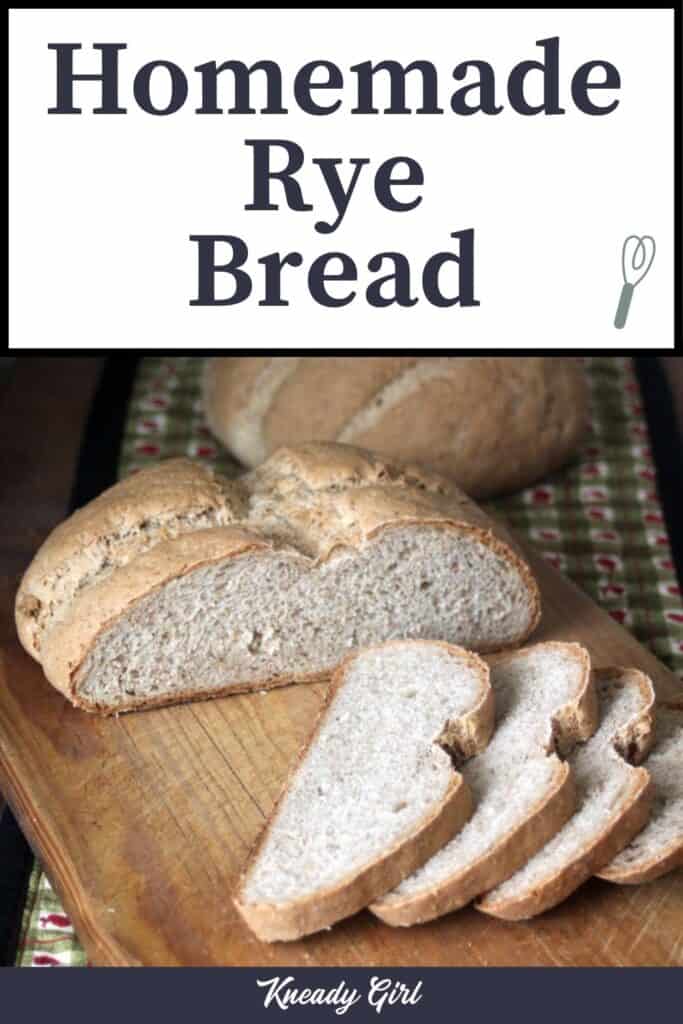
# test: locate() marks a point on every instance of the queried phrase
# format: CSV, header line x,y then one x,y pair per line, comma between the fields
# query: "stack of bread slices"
x,y
435,778
450,764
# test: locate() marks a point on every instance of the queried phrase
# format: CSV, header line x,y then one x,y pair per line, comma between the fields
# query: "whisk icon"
x,y
637,255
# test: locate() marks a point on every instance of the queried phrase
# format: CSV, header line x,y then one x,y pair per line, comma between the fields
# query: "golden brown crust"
x,y
307,501
617,832
146,508
296,918
578,721
292,418
502,422
494,424
507,856
273,923
228,380
96,607
249,385
668,859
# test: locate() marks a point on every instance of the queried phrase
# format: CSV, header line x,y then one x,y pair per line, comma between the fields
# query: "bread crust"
x,y
618,830
166,500
492,424
667,859
303,916
307,503
91,613
519,844
670,858
507,856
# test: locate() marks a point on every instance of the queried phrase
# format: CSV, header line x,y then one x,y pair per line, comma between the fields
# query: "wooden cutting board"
x,y
144,822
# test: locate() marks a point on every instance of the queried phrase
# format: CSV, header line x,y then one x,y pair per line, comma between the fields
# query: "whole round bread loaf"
x,y
493,424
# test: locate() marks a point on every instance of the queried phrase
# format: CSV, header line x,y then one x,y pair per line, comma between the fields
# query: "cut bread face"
x,y
262,617
614,800
523,793
177,584
658,849
375,792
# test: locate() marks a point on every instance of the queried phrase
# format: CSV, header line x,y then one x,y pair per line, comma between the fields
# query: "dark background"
x,y
44,404
50,463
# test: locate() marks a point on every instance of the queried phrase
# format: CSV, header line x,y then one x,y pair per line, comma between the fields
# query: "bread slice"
x,y
523,792
658,849
178,584
614,801
375,792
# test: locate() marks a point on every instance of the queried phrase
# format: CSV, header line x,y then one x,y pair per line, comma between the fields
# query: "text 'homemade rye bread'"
x,y
375,792
178,584
613,801
523,793
492,424
659,847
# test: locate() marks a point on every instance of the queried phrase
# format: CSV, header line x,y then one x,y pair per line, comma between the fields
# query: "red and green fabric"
x,y
599,521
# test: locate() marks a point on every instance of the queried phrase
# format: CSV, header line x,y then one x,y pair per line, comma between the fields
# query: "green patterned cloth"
x,y
599,521
47,935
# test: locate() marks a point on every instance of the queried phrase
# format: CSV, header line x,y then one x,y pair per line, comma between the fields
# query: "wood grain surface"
x,y
144,822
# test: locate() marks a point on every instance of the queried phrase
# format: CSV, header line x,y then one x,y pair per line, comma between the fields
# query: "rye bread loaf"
x,y
658,849
523,793
178,584
375,791
614,800
492,424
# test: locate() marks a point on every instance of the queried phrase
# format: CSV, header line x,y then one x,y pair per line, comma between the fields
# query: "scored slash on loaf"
x,y
491,424
375,792
178,584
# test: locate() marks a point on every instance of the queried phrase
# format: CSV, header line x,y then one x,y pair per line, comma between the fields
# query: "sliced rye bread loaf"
x,y
178,584
523,793
614,801
658,849
493,424
375,792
